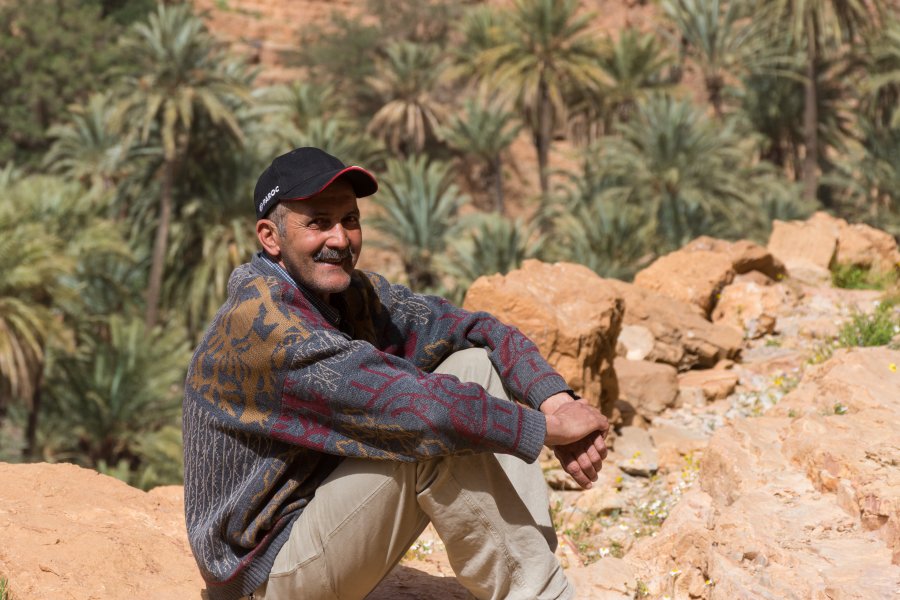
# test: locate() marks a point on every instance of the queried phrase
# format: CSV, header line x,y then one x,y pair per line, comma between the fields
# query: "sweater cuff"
x,y
534,431
546,388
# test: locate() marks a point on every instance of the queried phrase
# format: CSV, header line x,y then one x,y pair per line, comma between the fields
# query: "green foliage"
x,y
489,244
881,83
687,174
484,131
545,53
53,52
853,277
4,589
726,38
122,384
419,203
876,329
406,85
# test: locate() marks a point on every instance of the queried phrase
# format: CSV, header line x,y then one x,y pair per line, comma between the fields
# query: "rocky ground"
x,y
752,457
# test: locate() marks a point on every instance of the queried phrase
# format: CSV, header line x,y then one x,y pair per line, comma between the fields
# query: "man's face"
x,y
322,239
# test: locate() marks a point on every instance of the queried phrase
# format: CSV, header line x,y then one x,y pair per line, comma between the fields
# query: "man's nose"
x,y
338,237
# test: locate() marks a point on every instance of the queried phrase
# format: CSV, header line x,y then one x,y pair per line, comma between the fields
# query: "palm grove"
x,y
132,140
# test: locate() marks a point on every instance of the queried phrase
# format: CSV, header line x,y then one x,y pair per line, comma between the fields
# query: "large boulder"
x,y
72,533
800,504
806,248
810,248
572,314
681,336
745,256
863,246
695,277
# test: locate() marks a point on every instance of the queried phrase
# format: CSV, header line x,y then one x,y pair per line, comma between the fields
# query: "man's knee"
x,y
471,364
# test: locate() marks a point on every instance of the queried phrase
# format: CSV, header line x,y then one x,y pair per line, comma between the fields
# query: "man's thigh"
x,y
359,525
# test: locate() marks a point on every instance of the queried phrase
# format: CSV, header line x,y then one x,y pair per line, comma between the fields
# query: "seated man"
x,y
329,416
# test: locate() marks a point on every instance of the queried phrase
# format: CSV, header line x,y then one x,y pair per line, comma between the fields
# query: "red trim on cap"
x,y
332,180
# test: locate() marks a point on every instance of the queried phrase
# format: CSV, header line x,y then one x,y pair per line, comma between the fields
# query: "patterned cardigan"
x,y
282,385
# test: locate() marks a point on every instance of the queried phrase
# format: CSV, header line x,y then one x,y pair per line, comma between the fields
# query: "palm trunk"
x,y
30,450
497,167
811,118
154,286
544,125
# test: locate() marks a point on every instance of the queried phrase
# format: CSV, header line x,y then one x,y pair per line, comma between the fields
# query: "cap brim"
x,y
363,183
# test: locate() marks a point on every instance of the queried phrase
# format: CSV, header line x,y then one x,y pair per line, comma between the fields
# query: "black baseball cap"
x,y
301,174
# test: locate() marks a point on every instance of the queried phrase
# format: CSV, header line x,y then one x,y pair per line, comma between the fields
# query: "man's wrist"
x,y
552,404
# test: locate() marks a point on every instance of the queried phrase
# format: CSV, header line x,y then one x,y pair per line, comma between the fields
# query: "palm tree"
x,y
726,38
484,131
182,79
419,203
881,83
490,243
634,66
339,137
546,51
87,148
123,383
688,174
814,25
406,82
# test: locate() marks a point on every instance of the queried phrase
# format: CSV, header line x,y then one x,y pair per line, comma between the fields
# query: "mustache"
x,y
330,254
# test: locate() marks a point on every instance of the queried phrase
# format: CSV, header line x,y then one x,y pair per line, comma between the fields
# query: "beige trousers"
x,y
491,512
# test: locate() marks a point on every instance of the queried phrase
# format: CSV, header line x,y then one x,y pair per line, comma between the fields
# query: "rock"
x,y
576,332
806,248
682,337
609,578
847,439
635,342
693,277
745,256
69,532
799,506
753,308
648,387
863,246
716,384
637,455
674,442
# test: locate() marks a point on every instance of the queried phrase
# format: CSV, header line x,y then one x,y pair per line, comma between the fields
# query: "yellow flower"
x,y
892,367
675,572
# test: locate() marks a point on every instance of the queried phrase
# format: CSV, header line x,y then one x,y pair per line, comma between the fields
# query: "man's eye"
x,y
318,224
351,221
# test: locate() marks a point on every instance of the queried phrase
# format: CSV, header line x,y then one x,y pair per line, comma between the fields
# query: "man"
x,y
329,416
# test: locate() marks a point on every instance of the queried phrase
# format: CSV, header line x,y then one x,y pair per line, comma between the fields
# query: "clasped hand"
x,y
576,432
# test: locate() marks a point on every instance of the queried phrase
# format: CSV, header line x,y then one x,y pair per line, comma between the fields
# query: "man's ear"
x,y
267,233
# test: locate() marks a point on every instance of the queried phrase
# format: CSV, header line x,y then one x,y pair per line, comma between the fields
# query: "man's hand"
x,y
576,432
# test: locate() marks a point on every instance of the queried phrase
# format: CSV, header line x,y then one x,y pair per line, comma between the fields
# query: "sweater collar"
x,y
331,314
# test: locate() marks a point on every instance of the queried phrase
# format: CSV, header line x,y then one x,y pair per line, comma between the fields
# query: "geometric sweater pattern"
x,y
282,386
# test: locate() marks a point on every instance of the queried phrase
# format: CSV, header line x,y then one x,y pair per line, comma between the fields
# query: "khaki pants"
x,y
491,512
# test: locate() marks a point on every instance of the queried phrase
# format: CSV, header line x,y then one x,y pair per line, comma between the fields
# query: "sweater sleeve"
x,y
425,329
271,365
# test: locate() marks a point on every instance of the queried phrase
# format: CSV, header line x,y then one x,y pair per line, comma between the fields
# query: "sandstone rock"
x,y
806,248
673,443
864,246
648,387
637,455
573,316
69,532
682,337
847,441
753,308
609,578
694,277
803,506
745,256
716,384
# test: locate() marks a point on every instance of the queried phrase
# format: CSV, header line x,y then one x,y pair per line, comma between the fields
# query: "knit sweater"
x,y
283,385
